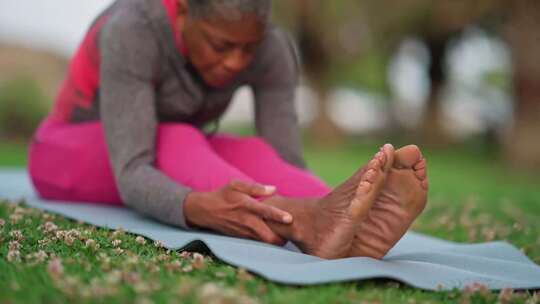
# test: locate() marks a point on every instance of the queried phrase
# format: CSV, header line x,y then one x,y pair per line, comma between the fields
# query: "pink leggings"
x,y
70,162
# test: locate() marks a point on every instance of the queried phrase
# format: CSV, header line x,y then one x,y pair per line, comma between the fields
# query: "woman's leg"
x,y
184,154
256,158
69,162
325,221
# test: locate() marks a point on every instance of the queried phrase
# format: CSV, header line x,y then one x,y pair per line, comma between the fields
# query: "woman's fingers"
x,y
269,212
253,189
253,227
264,233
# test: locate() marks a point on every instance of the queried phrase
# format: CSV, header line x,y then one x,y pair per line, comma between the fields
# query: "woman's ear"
x,y
181,13
182,8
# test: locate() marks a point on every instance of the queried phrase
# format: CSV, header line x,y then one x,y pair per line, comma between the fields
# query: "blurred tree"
x,y
329,36
523,33
316,60
436,23
351,42
333,35
22,106
47,69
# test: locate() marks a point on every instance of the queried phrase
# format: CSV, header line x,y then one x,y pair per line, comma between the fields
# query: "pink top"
x,y
171,6
81,84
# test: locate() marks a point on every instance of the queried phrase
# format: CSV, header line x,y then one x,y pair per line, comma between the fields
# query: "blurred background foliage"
x,y
437,73
22,106
353,44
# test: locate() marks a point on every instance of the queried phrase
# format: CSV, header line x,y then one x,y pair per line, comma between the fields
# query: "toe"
x,y
374,164
362,202
420,169
425,184
370,176
381,157
407,157
420,165
420,174
364,187
389,156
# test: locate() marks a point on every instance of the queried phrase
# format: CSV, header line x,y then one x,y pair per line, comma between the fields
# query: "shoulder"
x,y
279,44
127,38
277,57
127,21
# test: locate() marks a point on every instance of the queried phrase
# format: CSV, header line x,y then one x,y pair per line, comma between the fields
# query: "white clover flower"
x,y
74,233
47,216
15,218
187,268
198,261
13,256
90,243
50,227
37,257
14,245
41,256
213,293
163,257
114,277
132,260
243,275
16,234
68,240
118,232
140,240
173,266
131,277
60,234
141,287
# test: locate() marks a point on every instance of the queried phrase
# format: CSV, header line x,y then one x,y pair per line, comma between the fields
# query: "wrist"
x,y
192,209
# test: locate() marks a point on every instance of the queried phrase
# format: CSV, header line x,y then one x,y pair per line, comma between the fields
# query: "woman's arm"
x,y
129,58
276,118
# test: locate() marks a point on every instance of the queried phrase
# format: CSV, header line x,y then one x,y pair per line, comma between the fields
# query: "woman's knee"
x,y
181,148
244,150
258,145
180,132
71,171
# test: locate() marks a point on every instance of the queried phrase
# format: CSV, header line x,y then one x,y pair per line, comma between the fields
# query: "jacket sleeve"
x,y
274,88
129,58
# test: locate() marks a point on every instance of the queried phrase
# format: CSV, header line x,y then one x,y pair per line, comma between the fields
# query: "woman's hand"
x,y
233,211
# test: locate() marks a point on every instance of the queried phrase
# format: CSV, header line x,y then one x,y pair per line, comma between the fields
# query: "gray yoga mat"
x,y
417,260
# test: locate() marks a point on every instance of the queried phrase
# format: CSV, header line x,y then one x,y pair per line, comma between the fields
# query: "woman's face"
x,y
219,49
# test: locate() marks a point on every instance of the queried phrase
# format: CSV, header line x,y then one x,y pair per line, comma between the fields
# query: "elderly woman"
x,y
128,127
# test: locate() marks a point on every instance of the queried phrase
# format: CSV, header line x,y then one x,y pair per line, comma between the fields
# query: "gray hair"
x,y
228,9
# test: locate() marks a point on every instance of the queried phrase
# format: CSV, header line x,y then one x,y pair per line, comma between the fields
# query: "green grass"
x,y
13,153
472,199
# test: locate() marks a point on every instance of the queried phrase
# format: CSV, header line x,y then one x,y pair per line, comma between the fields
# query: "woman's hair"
x,y
228,9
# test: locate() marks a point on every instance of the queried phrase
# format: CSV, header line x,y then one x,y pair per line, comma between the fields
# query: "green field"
x,y
472,199
13,154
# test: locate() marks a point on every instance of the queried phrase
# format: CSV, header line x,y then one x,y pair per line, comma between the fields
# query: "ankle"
x,y
304,213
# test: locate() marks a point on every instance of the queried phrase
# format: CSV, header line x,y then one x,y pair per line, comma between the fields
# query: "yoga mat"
x,y
417,260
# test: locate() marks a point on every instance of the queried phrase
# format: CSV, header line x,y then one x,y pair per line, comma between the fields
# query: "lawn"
x,y
472,199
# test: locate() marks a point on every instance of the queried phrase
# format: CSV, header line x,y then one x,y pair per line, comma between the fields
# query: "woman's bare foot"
x,y
401,200
326,226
